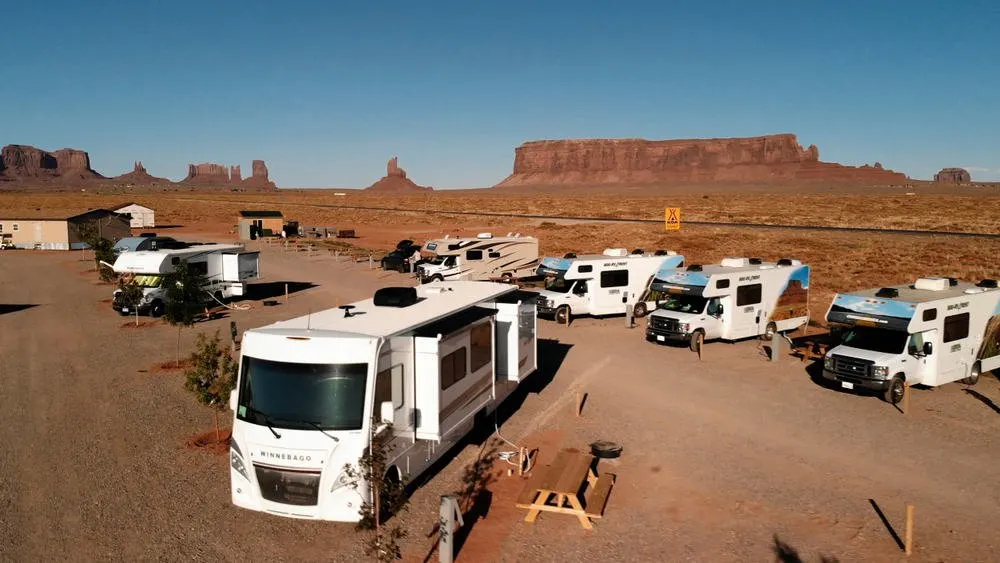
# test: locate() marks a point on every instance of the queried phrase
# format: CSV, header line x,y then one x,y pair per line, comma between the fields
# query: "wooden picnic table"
x,y
564,480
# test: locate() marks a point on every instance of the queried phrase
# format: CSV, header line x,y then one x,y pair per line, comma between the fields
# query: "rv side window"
x,y
389,387
614,278
748,294
721,284
480,346
586,268
956,327
930,314
453,368
474,255
199,268
175,260
494,254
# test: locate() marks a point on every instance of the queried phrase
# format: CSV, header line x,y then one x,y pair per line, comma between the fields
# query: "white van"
x,y
737,298
483,257
600,284
931,332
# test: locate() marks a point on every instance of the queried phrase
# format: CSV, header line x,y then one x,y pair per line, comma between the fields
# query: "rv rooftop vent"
x,y
887,292
756,261
638,251
987,283
694,268
952,282
615,252
570,255
484,235
734,262
395,297
932,284
435,290
789,262
346,309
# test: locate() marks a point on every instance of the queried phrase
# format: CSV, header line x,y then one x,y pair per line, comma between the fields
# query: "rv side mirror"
x,y
232,400
386,412
928,348
719,310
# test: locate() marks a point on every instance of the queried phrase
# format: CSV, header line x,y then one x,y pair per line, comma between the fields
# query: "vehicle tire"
x,y
157,309
639,311
973,375
436,278
697,340
770,331
563,315
894,392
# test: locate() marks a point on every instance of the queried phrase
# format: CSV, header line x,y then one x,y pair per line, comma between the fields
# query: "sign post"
x,y
672,218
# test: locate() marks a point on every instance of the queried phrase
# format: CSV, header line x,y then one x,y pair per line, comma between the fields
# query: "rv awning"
x,y
454,323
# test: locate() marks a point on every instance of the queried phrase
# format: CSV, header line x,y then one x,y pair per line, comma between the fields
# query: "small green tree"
x,y
387,495
129,293
183,298
104,249
212,375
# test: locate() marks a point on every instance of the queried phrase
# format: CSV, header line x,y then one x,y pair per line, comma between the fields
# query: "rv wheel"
x,y
770,331
157,309
697,341
639,311
973,375
894,392
563,315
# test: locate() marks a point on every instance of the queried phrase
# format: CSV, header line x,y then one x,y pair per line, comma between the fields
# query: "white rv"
x,y
737,298
932,332
225,267
312,391
601,284
483,257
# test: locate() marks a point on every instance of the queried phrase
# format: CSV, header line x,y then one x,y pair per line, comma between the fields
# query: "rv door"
x,y
747,312
612,292
956,353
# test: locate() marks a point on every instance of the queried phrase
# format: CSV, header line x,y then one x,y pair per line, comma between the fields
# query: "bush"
x,y
212,374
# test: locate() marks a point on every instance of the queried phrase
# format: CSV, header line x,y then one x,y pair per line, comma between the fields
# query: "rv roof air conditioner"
x,y
484,235
734,262
756,261
987,283
615,252
694,268
395,297
932,284
887,292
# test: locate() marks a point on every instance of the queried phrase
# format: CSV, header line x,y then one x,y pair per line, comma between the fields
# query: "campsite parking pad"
x,y
727,459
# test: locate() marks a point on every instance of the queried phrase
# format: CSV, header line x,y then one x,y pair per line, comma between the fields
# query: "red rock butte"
x,y
767,159
395,180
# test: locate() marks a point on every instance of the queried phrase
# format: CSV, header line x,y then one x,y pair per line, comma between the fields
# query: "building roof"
x,y
128,203
435,301
47,215
260,213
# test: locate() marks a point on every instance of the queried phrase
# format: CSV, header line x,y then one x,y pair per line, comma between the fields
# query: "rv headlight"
x,y
828,363
236,461
880,372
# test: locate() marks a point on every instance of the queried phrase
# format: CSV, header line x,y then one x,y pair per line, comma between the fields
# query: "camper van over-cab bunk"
x,y
931,332
433,361
483,257
737,298
226,268
601,284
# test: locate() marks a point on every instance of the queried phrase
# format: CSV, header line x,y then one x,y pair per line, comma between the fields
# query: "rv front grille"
x,y
299,488
665,324
855,367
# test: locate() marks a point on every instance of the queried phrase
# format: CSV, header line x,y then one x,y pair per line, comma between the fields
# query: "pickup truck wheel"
x,y
973,375
157,309
894,391
563,314
697,341
639,311
436,277
770,331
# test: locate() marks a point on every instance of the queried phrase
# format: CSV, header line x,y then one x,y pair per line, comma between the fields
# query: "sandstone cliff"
x,y
953,176
771,158
218,175
26,163
395,180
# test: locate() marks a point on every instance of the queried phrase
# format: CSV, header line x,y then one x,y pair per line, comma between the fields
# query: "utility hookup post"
x,y
448,516
629,315
775,347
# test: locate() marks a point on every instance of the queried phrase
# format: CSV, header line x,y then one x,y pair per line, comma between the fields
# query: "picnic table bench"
x,y
564,480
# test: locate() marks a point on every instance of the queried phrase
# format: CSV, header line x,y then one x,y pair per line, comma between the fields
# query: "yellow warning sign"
x,y
672,218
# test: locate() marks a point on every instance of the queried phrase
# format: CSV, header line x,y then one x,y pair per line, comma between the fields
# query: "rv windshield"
x,y
684,304
876,339
302,396
148,280
447,261
558,284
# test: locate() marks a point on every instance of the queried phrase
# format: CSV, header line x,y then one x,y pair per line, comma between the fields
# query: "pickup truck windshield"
x,y
876,339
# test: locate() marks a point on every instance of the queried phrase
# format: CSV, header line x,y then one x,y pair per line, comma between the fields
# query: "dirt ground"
x,y
732,458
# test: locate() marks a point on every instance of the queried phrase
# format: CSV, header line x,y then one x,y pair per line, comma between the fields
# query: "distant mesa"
x,y
395,180
766,159
19,162
139,177
220,175
953,176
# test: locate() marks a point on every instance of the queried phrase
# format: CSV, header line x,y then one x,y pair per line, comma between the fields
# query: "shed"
x,y
264,221
142,216
48,231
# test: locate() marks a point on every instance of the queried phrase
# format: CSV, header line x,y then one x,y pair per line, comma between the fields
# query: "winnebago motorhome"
x,y
932,332
737,298
601,284
225,267
483,257
432,360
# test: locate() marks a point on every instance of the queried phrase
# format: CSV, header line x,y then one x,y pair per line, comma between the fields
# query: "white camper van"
x,y
931,332
433,360
737,298
483,257
600,284
225,267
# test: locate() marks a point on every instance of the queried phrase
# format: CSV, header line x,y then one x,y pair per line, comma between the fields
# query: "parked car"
x,y
398,259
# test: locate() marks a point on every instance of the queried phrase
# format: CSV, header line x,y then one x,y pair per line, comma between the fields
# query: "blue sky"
x,y
326,92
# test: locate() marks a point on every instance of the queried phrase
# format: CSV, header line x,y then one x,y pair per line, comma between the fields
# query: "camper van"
x,y
432,360
601,284
737,298
225,267
931,332
483,257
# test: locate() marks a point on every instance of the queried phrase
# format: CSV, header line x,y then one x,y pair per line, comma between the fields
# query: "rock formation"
x,y
771,158
207,173
26,163
953,176
139,177
395,180
259,177
234,173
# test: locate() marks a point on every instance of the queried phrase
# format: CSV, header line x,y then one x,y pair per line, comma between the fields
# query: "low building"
x,y
58,232
142,216
263,223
